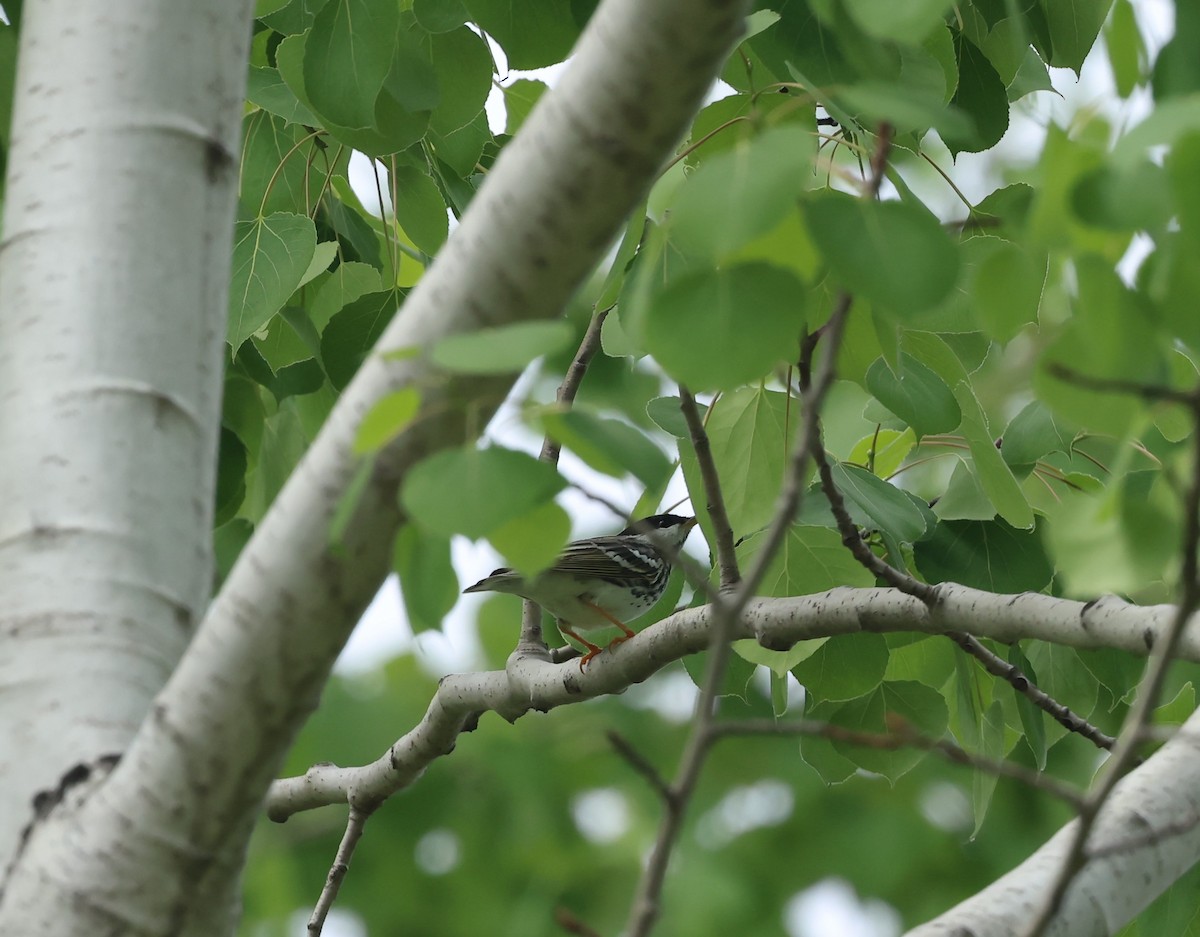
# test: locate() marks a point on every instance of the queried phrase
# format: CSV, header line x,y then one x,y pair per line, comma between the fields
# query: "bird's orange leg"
x,y
592,649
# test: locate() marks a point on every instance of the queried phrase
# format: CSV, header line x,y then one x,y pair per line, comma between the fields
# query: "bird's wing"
x,y
613,558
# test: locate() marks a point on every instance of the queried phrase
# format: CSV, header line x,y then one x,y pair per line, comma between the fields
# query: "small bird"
x,y
601,581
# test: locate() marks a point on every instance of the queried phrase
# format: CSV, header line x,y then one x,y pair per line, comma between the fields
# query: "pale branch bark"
x,y
776,624
1162,655
892,741
530,640
114,277
1137,848
727,563
196,771
355,822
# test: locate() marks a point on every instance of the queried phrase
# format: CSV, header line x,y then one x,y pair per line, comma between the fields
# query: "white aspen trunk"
x,y
114,273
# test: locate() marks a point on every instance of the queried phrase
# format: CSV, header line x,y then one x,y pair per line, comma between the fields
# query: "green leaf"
x,y
898,22
506,349
964,497
475,491
440,16
611,446
741,192
748,431
883,451
353,332
231,476
533,33
989,555
346,283
531,542
266,88
738,673
1073,27
1032,717
1032,434
420,209
893,253
845,667
916,394
463,66
907,109
322,257
913,706
994,474
347,55
1097,342
719,329
811,559
428,582
890,508
1130,196
982,95
270,258
664,411
1006,289
983,783
519,99
386,420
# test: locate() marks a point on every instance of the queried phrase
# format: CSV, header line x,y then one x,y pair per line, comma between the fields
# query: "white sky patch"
x,y
748,807
831,908
601,815
438,851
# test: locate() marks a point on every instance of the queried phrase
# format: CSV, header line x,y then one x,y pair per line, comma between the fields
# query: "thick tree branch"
x,y
776,624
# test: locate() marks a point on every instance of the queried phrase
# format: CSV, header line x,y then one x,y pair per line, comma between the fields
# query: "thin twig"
x,y
1120,386
1139,716
640,764
722,532
572,925
531,640
881,569
892,741
355,822
997,666
728,608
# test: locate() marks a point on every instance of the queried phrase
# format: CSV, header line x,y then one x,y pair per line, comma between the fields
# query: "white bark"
x,y
114,269
166,829
1146,836
532,684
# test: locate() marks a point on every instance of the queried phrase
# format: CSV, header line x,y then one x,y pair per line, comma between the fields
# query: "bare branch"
x,y
1119,386
531,640
774,623
896,740
729,608
641,765
722,533
355,822
998,667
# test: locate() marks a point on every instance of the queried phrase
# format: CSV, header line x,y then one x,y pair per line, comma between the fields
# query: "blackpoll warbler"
x,y
601,581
